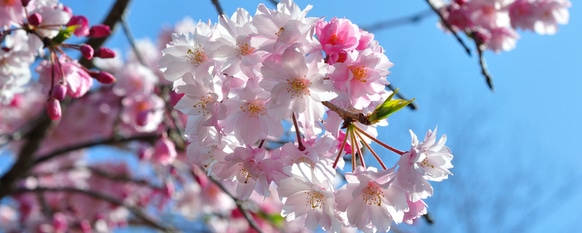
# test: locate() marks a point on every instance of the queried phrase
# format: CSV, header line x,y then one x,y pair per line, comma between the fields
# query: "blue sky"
x,y
517,158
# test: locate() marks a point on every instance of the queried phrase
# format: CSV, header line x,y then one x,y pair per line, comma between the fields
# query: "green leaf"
x,y
388,107
64,34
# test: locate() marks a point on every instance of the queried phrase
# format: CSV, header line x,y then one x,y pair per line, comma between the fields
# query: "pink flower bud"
x,y
105,53
25,3
86,51
60,222
142,118
82,25
164,151
105,78
53,108
59,92
35,19
86,226
100,30
144,153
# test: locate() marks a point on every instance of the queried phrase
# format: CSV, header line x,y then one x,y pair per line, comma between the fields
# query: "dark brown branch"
x,y
392,23
239,205
135,210
105,141
346,115
449,27
115,14
483,65
25,157
131,40
218,7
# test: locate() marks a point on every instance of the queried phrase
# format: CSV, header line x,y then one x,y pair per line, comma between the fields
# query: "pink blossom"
x,y
541,16
308,194
296,86
427,160
70,73
337,38
164,151
371,200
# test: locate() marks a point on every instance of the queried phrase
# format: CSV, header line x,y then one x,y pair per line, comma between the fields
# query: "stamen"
x,y
315,199
372,195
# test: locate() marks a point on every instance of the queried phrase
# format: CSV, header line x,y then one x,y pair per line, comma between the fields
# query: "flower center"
x,y
360,73
426,164
298,87
202,105
335,40
315,199
254,109
7,2
281,29
372,195
196,56
245,49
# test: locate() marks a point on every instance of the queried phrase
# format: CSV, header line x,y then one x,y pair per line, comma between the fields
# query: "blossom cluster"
x,y
27,28
493,23
242,78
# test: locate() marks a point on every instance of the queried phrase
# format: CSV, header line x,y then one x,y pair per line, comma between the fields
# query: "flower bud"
x,y
98,31
35,19
164,151
53,108
105,53
82,25
59,92
105,78
25,3
87,51
142,118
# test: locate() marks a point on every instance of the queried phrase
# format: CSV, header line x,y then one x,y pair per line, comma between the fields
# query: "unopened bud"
x,y
59,92
105,53
35,19
98,31
53,108
105,78
142,118
82,25
86,51
25,3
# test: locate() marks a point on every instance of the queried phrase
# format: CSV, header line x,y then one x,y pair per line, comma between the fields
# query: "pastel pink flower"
x,y
337,37
371,200
541,16
70,73
164,151
427,160
308,194
296,86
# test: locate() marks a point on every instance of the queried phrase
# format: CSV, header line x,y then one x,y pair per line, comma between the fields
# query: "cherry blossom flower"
x,y
308,194
371,200
427,160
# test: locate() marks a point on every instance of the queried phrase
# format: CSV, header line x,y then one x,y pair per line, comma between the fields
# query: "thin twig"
x,y
131,40
104,141
483,65
274,2
218,7
392,23
449,27
239,205
135,210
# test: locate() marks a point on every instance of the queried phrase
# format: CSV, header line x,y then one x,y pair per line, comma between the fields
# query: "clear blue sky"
x,y
517,158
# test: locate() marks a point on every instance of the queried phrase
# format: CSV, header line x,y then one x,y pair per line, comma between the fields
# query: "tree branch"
x,y
218,7
392,23
449,27
105,141
135,210
115,14
346,115
239,204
